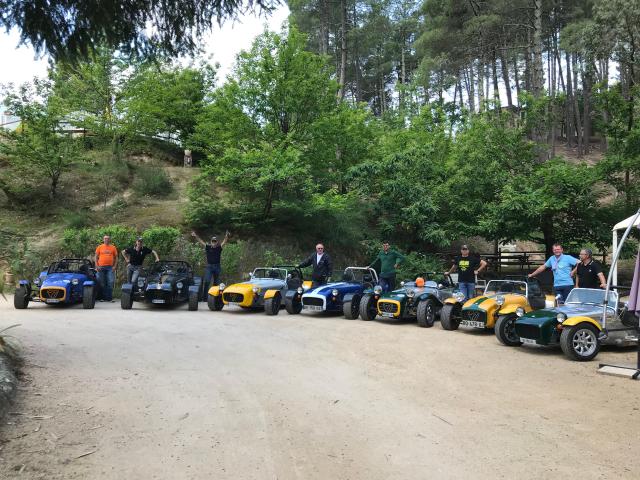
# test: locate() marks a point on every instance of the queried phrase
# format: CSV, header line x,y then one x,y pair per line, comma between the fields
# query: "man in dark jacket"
x,y
321,263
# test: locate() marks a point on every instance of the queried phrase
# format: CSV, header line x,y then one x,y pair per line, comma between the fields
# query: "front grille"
x,y
165,295
317,302
527,331
52,293
233,297
388,307
474,316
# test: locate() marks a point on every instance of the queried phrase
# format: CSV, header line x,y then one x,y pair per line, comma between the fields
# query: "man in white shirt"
x,y
321,263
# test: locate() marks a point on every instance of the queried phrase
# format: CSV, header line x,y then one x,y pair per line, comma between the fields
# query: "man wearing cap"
x,y
106,259
213,252
134,256
389,260
467,267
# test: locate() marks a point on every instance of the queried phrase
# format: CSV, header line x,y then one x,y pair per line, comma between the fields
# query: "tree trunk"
x,y
480,86
569,104
548,234
356,55
343,48
324,27
496,88
505,78
516,77
576,106
538,72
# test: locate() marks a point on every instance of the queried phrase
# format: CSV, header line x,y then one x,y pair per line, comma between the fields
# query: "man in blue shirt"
x,y
561,265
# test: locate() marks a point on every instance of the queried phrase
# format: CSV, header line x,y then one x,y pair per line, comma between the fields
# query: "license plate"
x,y
234,303
528,341
313,308
157,300
387,314
472,323
52,300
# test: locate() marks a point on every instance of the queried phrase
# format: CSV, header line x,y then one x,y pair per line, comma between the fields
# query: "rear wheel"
x,y
351,309
272,305
293,305
505,330
88,297
193,300
426,313
21,298
126,301
215,303
580,342
368,308
450,316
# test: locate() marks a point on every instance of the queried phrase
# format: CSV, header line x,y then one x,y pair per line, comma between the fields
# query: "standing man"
x,y
134,256
561,266
321,263
389,261
213,252
589,271
106,260
467,267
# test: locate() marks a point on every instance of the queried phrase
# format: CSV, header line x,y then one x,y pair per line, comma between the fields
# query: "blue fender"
x,y
88,283
25,283
127,287
194,289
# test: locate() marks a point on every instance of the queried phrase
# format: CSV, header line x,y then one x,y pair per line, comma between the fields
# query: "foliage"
x,y
416,264
161,239
152,180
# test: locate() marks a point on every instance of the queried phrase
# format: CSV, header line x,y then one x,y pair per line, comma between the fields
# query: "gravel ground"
x,y
172,394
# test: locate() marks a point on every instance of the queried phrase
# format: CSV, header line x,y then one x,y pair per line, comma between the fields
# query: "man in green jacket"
x,y
389,260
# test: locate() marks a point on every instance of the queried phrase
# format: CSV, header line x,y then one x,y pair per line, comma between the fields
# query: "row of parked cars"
x,y
516,309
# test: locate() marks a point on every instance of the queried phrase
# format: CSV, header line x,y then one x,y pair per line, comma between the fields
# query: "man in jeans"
x,y
134,256
389,260
561,265
106,260
213,251
467,267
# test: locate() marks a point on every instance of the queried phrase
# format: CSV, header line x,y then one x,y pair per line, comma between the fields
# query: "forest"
x,y
423,122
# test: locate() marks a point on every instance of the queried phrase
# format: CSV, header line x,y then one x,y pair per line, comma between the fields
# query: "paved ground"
x,y
172,394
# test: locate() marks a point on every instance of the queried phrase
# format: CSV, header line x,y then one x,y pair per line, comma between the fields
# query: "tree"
x,y
40,146
70,29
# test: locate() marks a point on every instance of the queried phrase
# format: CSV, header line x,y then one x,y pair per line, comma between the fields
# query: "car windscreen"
x,y
274,273
169,268
70,266
505,286
438,278
592,296
358,275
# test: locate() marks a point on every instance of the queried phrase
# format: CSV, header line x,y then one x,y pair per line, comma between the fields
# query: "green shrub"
x,y
76,242
152,181
161,239
121,236
78,219
416,264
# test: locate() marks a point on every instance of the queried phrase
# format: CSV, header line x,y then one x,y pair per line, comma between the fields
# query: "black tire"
x,y
450,316
505,330
351,309
88,297
580,342
293,306
126,301
215,303
21,298
193,301
272,305
368,307
426,314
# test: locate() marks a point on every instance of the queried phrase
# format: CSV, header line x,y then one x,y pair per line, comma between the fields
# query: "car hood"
x,y
342,287
62,279
486,303
572,310
263,284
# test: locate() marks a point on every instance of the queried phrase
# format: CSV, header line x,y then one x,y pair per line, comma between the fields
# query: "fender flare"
x,y
511,308
88,283
194,289
270,293
127,287
214,291
573,321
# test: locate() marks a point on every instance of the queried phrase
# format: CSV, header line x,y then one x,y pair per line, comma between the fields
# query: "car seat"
x,y
506,288
347,276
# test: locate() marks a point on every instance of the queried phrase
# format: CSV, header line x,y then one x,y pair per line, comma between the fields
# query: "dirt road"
x,y
172,394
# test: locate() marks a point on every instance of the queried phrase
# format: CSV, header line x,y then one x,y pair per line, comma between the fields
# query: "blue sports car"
x,y
341,296
67,281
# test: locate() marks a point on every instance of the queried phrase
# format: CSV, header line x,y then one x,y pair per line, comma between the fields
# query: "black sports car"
x,y
167,282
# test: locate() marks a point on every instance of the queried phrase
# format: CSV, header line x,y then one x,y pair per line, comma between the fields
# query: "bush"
x,y
161,239
121,236
77,219
76,241
153,181
416,264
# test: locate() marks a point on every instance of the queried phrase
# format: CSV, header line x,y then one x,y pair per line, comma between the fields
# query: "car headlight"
x,y
141,282
334,292
459,296
402,283
179,284
500,299
222,286
377,289
255,289
519,311
74,281
561,317
300,290
36,281
411,293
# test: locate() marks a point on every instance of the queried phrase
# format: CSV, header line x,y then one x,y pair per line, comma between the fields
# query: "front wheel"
x,y
450,316
505,330
215,303
272,305
193,301
21,298
293,305
351,309
88,298
426,314
580,342
126,301
368,308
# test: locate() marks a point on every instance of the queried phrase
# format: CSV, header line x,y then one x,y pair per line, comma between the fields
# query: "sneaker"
x,y
101,300
112,301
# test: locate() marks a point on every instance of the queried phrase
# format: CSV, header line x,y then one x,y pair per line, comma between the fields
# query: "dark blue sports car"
x,y
67,281
341,296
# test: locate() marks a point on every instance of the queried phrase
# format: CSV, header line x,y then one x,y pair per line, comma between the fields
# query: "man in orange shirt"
x,y
106,263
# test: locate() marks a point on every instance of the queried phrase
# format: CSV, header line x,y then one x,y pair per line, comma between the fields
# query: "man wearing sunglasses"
x,y
321,263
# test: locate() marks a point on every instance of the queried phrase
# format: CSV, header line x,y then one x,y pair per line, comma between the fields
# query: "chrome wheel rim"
x,y
584,342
